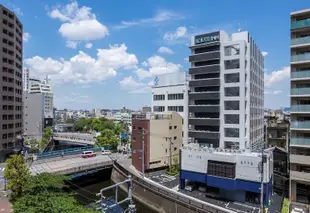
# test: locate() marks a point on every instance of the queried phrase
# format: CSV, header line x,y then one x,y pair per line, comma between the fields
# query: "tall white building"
x,y
170,94
26,79
226,97
45,88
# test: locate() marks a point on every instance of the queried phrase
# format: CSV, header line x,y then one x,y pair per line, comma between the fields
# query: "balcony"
x,y
300,125
204,95
300,58
300,41
204,82
300,141
204,69
300,74
204,56
204,108
300,176
204,121
300,91
203,134
300,24
300,108
300,159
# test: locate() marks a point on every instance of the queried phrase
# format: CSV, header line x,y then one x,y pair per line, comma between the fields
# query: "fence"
x,y
175,197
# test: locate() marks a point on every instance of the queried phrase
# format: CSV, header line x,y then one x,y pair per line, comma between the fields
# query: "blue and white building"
x,y
236,174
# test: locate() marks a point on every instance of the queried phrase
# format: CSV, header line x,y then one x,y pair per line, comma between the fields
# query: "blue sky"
x,y
104,54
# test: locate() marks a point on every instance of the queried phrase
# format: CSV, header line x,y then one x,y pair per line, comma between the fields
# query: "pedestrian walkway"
x,y
5,205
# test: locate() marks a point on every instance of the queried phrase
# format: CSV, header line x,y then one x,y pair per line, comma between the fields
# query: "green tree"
x,y
43,143
47,133
108,138
17,175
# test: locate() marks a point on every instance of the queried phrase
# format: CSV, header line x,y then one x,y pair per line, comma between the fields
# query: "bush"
x,y
285,206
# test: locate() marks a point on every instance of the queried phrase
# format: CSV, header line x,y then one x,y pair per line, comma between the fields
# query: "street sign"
x,y
124,135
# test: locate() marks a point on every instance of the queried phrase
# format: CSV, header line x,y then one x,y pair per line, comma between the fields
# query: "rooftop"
x,y
300,12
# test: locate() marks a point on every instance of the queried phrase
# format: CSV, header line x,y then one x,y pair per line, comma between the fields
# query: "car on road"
x,y
88,154
190,186
297,210
106,152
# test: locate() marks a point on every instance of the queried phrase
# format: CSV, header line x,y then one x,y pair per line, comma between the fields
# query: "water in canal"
x,y
87,186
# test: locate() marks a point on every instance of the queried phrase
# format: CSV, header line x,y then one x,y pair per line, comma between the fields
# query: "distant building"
x,y
26,79
159,131
230,174
33,110
170,94
146,109
37,87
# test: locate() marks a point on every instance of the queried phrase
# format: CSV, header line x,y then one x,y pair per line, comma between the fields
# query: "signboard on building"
x,y
206,38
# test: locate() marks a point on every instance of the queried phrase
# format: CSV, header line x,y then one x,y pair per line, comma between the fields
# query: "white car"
x,y
297,210
106,152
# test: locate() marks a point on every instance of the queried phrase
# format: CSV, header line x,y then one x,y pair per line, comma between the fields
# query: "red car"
x,y
88,154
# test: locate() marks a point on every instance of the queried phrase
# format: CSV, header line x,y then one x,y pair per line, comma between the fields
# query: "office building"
x,y
226,97
11,56
33,110
44,88
170,94
300,107
26,79
161,132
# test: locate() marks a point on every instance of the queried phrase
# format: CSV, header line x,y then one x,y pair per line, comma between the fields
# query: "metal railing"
x,y
300,57
300,108
300,141
300,24
302,40
176,197
300,91
71,151
301,124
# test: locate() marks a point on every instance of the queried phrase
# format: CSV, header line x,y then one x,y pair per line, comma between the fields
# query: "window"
x,y
175,149
231,132
175,137
231,145
231,119
222,169
232,64
170,127
175,127
158,108
232,50
175,108
232,91
177,96
232,78
159,97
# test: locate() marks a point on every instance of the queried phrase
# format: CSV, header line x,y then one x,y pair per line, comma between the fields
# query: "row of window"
x,y
11,117
10,135
11,89
8,23
11,80
11,98
170,108
175,96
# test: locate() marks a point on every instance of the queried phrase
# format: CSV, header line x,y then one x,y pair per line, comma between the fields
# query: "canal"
x,y
87,187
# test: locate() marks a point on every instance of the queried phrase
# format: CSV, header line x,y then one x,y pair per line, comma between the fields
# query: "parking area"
x,y
160,177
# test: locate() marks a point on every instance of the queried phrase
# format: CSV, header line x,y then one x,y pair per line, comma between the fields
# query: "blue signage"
x,y
156,81
206,39
124,135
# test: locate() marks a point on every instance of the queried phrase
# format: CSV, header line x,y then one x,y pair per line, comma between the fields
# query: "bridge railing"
x,y
76,138
70,151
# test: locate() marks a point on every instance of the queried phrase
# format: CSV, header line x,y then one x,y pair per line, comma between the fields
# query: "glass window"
x,y
231,132
177,96
231,119
232,64
158,108
232,78
232,91
175,108
232,50
159,97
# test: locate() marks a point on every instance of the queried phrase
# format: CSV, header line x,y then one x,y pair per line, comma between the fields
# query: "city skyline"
x,y
128,48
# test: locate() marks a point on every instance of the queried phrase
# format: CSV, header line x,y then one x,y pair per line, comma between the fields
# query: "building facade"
x,y
25,79
161,132
33,110
300,107
44,88
11,56
170,94
226,95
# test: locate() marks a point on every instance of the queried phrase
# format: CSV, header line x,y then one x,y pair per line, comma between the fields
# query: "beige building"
x,y
162,132
300,107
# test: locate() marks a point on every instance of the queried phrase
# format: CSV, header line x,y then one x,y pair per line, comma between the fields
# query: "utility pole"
x,y
170,154
142,157
262,180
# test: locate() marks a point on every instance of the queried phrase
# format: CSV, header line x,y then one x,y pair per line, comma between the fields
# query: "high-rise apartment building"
x,y
226,98
26,79
300,107
170,94
11,56
36,86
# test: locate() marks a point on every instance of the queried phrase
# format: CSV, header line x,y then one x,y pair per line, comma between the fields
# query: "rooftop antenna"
x,y
239,28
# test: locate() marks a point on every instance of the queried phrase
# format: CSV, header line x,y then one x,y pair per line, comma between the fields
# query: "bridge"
x,y
72,164
80,138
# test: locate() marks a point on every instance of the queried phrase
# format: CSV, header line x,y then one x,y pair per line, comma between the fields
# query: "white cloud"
x,y
88,45
144,63
82,68
26,36
264,53
85,86
72,44
157,65
17,11
273,92
79,23
178,33
277,76
73,98
130,83
142,90
160,17
186,59
165,50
